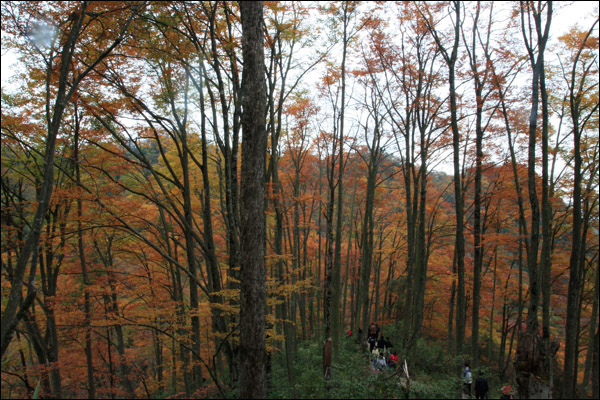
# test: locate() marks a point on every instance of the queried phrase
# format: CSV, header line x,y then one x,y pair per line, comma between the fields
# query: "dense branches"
x,y
189,190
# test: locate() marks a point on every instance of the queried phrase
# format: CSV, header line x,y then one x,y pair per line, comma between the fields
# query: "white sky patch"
x,y
10,66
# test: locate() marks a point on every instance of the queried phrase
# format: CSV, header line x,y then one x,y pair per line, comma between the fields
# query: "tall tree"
x,y
450,56
252,205
533,378
479,37
343,16
580,117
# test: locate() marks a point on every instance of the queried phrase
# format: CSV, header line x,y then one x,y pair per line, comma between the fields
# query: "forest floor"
x,y
432,375
395,377
398,378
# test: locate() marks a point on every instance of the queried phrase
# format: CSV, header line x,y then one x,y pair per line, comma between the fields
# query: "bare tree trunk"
x,y
252,205
592,337
577,260
451,339
532,362
86,279
596,364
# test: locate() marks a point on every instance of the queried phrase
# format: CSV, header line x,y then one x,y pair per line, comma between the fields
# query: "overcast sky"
x,y
566,15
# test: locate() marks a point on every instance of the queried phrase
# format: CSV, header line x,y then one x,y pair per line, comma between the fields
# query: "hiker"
x,y
381,364
375,355
381,343
393,361
372,343
377,331
467,379
350,333
506,392
481,387
373,331
388,343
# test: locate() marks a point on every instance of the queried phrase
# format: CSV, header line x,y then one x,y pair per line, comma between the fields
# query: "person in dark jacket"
x,y
381,342
372,343
481,387
372,332
388,343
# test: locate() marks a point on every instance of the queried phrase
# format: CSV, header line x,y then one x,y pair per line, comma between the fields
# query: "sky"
x,y
566,15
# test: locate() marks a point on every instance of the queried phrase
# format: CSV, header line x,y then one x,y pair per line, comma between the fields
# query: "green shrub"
x,y
434,374
351,377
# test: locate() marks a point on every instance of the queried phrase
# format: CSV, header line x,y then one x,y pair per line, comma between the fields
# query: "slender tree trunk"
x,y
84,273
158,356
335,304
459,250
451,339
458,192
532,364
367,243
593,323
329,267
477,234
596,364
421,245
190,245
546,260
114,307
576,262
490,335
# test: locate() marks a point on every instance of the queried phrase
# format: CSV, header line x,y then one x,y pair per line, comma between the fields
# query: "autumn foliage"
x,y
126,281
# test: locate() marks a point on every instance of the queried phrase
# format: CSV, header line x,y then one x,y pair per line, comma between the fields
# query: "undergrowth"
x,y
434,374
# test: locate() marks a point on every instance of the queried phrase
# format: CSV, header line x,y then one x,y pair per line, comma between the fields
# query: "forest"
x,y
219,199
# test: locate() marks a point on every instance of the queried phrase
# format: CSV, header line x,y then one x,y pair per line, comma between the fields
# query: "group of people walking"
x,y
481,385
384,357
380,348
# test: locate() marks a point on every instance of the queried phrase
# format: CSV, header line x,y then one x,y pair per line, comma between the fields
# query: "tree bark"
x,y
532,363
252,204
578,242
84,273
596,365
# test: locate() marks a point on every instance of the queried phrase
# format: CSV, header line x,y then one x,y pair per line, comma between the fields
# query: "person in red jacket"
x,y
393,362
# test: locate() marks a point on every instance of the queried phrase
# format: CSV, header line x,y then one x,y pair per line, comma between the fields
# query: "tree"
x,y
581,113
533,357
450,56
343,16
480,79
252,200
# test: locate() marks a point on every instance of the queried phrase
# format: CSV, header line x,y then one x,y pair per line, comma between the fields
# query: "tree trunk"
x,y
86,279
451,339
252,205
577,260
596,364
15,307
532,363
593,323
